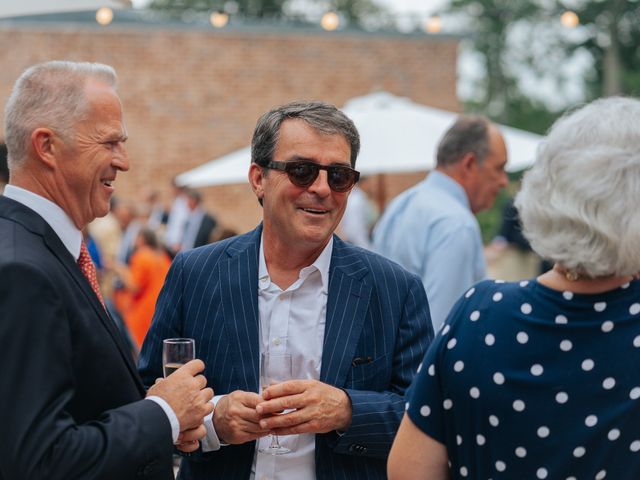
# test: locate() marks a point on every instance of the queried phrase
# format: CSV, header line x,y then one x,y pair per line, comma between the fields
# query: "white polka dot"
x,y
537,370
475,315
522,337
635,446
543,432
406,406
480,440
494,421
463,471
561,319
571,478
562,397
566,345
425,411
526,308
601,474
518,405
497,296
521,452
542,473
431,370
445,330
458,366
447,404
634,394
600,306
458,439
591,420
419,368
579,452
498,281
498,378
489,339
567,295
634,309
636,341
501,466
607,326
451,343
588,365
470,292
474,392
609,383
613,434
524,283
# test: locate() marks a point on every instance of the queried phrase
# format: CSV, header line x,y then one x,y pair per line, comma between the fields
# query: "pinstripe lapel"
x,y
346,309
239,294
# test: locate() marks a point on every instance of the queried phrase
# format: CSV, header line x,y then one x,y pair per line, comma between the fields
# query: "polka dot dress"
x,y
526,382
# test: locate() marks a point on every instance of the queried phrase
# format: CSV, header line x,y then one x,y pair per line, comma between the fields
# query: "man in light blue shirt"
x,y
431,229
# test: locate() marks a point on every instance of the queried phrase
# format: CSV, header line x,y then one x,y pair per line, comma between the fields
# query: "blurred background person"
x,y
143,279
200,223
177,219
553,395
431,229
359,216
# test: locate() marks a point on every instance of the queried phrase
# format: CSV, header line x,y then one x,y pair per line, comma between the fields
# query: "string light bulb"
x,y
330,21
219,19
433,24
104,16
569,19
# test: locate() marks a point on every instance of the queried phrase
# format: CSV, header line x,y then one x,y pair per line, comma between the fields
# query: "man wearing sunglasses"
x,y
355,324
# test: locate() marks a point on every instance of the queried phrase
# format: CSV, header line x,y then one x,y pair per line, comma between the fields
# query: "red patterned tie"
x,y
88,269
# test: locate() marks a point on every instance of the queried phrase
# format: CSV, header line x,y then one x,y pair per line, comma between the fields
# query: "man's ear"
x,y
46,145
256,180
469,164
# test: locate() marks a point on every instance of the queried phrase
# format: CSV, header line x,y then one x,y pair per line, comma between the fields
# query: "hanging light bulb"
x,y
104,15
433,24
330,21
219,19
569,19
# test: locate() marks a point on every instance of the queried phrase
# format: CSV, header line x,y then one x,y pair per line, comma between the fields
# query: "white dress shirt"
x,y
291,321
71,237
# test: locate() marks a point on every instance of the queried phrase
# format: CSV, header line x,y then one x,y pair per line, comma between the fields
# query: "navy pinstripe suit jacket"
x,y
375,309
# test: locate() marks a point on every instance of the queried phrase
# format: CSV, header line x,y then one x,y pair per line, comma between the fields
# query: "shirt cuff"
x,y
211,442
173,419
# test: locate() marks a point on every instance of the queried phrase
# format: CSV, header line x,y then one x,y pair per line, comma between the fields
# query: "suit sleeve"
x,y
39,437
376,415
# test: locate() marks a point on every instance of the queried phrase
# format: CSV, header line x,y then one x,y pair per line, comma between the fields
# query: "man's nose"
x,y
120,158
321,185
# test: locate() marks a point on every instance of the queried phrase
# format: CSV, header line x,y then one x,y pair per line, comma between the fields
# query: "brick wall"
x,y
193,95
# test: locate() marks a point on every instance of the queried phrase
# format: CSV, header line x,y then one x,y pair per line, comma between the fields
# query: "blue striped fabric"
x,y
375,309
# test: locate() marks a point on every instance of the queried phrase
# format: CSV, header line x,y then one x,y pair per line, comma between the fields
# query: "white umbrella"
x,y
397,135
17,8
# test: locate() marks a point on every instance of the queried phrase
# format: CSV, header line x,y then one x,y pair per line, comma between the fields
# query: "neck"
x,y
284,263
561,279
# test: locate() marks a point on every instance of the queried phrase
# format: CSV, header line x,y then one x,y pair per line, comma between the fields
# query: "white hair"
x,y
579,202
49,95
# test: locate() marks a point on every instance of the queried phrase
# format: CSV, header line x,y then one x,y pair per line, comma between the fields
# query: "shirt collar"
x,y
55,216
447,183
321,264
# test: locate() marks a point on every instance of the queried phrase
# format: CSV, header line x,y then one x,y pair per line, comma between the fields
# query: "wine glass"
x,y
274,368
176,352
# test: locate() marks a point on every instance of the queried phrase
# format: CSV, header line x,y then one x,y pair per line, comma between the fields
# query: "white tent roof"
x,y
17,8
396,134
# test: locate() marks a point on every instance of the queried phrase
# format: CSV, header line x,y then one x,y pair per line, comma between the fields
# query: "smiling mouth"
x,y
107,183
315,212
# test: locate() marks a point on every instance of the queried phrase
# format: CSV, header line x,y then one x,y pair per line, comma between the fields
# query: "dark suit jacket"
x,y
207,226
375,310
70,396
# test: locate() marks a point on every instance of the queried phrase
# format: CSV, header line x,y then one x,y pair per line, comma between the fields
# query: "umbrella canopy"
x,y
397,136
17,8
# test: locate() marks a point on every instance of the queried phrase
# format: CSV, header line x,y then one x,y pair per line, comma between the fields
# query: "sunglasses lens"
x,y
342,179
302,174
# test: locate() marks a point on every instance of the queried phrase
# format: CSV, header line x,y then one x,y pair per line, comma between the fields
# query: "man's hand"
x,y
235,418
184,390
318,408
188,440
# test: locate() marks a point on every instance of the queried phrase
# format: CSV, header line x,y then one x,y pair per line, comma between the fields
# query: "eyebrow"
x,y
298,158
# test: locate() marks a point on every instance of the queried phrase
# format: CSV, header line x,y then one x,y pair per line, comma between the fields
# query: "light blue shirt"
x,y
431,231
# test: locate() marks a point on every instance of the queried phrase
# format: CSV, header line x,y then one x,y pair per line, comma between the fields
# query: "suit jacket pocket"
x,y
367,373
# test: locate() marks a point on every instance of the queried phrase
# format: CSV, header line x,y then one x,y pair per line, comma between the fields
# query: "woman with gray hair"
x,y
538,379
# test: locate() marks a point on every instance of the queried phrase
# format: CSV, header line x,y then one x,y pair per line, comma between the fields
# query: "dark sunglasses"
x,y
302,174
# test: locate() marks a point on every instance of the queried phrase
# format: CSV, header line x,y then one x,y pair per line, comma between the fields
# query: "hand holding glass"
x,y
176,352
275,368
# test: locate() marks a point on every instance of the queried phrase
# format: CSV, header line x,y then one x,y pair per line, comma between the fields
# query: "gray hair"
x,y
578,204
49,95
320,116
469,134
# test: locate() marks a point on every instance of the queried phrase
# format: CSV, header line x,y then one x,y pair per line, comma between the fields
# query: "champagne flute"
x,y
176,352
274,368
